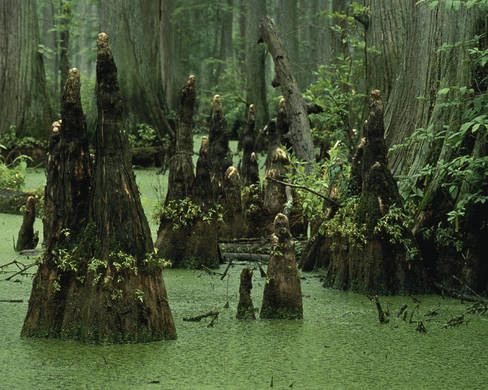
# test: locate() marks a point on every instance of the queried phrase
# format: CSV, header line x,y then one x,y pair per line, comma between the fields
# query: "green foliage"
x,y
9,141
343,227
143,135
12,176
152,261
184,213
336,88
395,226
328,177
65,260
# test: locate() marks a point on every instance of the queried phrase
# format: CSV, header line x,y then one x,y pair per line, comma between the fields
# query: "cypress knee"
x,y
219,156
245,309
282,297
66,204
382,264
27,238
195,242
249,166
105,285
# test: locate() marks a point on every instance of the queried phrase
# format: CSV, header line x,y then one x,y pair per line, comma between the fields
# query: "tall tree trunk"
x,y
64,45
171,72
226,27
23,99
255,62
287,23
135,27
300,134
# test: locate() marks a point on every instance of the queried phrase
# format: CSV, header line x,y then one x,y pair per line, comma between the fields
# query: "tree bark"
x,y
245,309
139,61
24,102
300,133
27,239
379,266
66,205
255,55
219,157
282,297
249,166
107,287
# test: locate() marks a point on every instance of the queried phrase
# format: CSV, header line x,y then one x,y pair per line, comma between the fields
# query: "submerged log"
x,y
300,135
245,309
282,293
27,238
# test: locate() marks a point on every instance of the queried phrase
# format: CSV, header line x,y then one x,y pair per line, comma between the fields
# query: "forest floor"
x,y
339,344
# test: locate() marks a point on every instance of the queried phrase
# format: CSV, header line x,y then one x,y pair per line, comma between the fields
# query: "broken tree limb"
x,y
300,133
200,317
11,300
331,202
226,269
21,271
382,316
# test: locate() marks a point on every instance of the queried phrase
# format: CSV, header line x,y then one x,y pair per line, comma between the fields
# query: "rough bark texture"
x,y
113,293
234,224
411,68
66,205
245,309
135,27
249,165
300,134
181,176
421,66
255,55
194,244
282,297
27,238
219,157
379,266
275,193
202,190
23,99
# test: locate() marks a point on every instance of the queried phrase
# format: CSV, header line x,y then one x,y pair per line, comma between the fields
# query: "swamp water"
x,y
339,344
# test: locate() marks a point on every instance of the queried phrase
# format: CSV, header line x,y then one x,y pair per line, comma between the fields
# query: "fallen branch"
x,y
226,270
21,271
455,321
11,300
458,295
382,316
331,202
201,316
210,271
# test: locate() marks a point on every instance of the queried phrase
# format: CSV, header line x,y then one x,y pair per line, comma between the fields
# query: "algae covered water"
x,y
339,344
